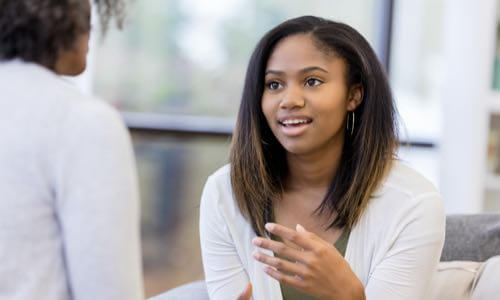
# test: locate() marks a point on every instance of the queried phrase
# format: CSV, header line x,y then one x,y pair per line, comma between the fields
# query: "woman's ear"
x,y
355,96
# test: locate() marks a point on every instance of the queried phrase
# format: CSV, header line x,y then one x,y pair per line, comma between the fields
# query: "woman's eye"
x,y
313,82
273,85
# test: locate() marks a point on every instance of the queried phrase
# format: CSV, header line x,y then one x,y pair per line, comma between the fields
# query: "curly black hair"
x,y
37,30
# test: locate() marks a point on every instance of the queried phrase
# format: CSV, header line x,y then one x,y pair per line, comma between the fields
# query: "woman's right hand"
x,y
247,293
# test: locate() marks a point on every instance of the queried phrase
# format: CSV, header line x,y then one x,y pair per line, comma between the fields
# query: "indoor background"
x,y
176,72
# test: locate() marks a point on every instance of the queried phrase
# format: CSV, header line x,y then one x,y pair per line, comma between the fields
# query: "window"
x,y
189,57
416,76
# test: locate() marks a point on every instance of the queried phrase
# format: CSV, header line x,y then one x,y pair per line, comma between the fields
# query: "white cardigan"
x,y
393,249
69,204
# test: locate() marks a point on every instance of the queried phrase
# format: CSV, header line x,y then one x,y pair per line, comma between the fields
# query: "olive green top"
x,y
290,293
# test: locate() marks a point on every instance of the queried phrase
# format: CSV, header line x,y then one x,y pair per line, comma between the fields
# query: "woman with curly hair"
x,y
314,204
69,222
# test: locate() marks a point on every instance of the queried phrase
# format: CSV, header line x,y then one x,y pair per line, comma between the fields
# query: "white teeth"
x,y
293,122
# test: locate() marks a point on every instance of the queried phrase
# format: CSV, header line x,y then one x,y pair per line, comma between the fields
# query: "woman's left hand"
x,y
317,268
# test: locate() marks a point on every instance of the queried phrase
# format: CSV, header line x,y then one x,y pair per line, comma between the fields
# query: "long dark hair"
x,y
258,161
37,30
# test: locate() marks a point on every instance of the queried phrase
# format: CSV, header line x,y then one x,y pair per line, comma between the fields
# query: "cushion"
x,y
464,280
454,280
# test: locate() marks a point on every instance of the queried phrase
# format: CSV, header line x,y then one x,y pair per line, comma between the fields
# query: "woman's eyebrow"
x,y
313,68
302,71
274,72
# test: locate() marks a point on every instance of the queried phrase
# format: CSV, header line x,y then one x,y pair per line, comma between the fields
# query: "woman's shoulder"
x,y
406,181
93,112
405,191
217,201
53,99
404,197
222,173
217,188
221,178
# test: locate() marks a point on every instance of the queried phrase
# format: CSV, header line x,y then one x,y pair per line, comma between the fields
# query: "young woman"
x,y
314,204
69,221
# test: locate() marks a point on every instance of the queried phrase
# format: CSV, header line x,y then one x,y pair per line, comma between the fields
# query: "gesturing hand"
x,y
317,269
247,293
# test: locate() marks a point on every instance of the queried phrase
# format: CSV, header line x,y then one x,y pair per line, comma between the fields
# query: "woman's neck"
x,y
313,170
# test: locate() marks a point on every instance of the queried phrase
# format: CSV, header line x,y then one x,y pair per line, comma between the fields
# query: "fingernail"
x,y
269,226
256,255
299,228
256,241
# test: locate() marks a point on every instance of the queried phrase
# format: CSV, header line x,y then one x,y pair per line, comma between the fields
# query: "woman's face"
x,y
306,99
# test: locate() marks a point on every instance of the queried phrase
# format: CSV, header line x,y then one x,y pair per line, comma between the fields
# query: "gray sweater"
x,y
69,215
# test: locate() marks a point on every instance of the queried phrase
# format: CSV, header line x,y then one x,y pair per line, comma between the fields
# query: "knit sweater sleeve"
x,y
97,204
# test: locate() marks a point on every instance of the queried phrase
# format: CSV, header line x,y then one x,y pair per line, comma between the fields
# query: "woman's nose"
x,y
293,97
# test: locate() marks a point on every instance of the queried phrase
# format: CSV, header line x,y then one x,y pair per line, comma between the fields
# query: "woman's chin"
x,y
297,147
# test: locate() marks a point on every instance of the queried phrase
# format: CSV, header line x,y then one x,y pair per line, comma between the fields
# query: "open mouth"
x,y
294,122
294,126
